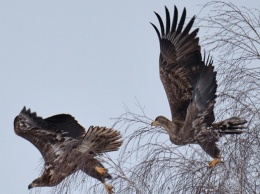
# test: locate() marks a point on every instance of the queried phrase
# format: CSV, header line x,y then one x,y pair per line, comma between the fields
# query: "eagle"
x,y
66,147
190,84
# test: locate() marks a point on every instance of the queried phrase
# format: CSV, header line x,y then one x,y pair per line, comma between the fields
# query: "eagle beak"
x,y
30,186
155,123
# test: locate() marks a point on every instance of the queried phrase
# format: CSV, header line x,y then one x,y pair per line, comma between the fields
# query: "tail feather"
x,y
231,125
101,139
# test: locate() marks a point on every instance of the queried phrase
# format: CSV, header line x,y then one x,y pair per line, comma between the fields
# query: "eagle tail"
x,y
101,139
233,125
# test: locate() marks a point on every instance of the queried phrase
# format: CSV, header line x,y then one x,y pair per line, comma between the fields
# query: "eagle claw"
x,y
101,170
214,162
109,188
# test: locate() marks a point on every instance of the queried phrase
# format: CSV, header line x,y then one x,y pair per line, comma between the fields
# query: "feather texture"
x,y
65,146
190,85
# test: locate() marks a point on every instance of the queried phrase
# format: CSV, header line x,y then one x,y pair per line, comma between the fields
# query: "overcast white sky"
x,y
85,58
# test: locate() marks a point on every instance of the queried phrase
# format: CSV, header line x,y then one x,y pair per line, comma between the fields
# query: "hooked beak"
x,y
30,186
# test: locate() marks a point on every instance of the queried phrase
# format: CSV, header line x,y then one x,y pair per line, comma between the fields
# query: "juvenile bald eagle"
x,y
66,147
190,85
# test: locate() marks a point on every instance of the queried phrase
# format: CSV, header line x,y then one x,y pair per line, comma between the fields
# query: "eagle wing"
x,y
44,133
201,106
179,53
200,114
66,124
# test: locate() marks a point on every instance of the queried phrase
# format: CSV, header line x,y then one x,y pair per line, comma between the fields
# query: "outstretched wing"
x,y
200,114
200,109
44,133
179,53
65,124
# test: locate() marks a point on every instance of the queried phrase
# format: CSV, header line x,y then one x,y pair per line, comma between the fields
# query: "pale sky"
x,y
84,58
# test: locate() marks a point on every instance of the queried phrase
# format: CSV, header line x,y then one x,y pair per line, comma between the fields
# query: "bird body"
x,y
190,85
66,147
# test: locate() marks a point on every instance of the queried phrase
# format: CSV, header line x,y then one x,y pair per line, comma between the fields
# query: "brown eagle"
x,y
190,85
66,147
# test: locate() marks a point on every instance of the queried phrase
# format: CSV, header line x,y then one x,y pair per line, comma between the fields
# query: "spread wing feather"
x,y
43,133
200,109
205,89
48,134
180,58
200,114
65,123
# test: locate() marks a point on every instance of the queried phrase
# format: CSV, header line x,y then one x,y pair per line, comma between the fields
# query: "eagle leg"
x,y
109,188
101,170
214,162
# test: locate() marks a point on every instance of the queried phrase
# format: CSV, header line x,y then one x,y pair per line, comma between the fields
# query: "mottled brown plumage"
x,y
190,85
66,147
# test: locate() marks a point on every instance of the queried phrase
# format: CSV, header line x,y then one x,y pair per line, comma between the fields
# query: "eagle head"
x,y
31,186
43,181
35,183
161,121
170,127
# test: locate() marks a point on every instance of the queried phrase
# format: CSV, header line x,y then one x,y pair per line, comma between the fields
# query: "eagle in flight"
x,y
190,85
66,147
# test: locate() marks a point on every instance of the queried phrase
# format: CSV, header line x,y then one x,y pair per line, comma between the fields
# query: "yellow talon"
x,y
109,188
214,162
101,170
